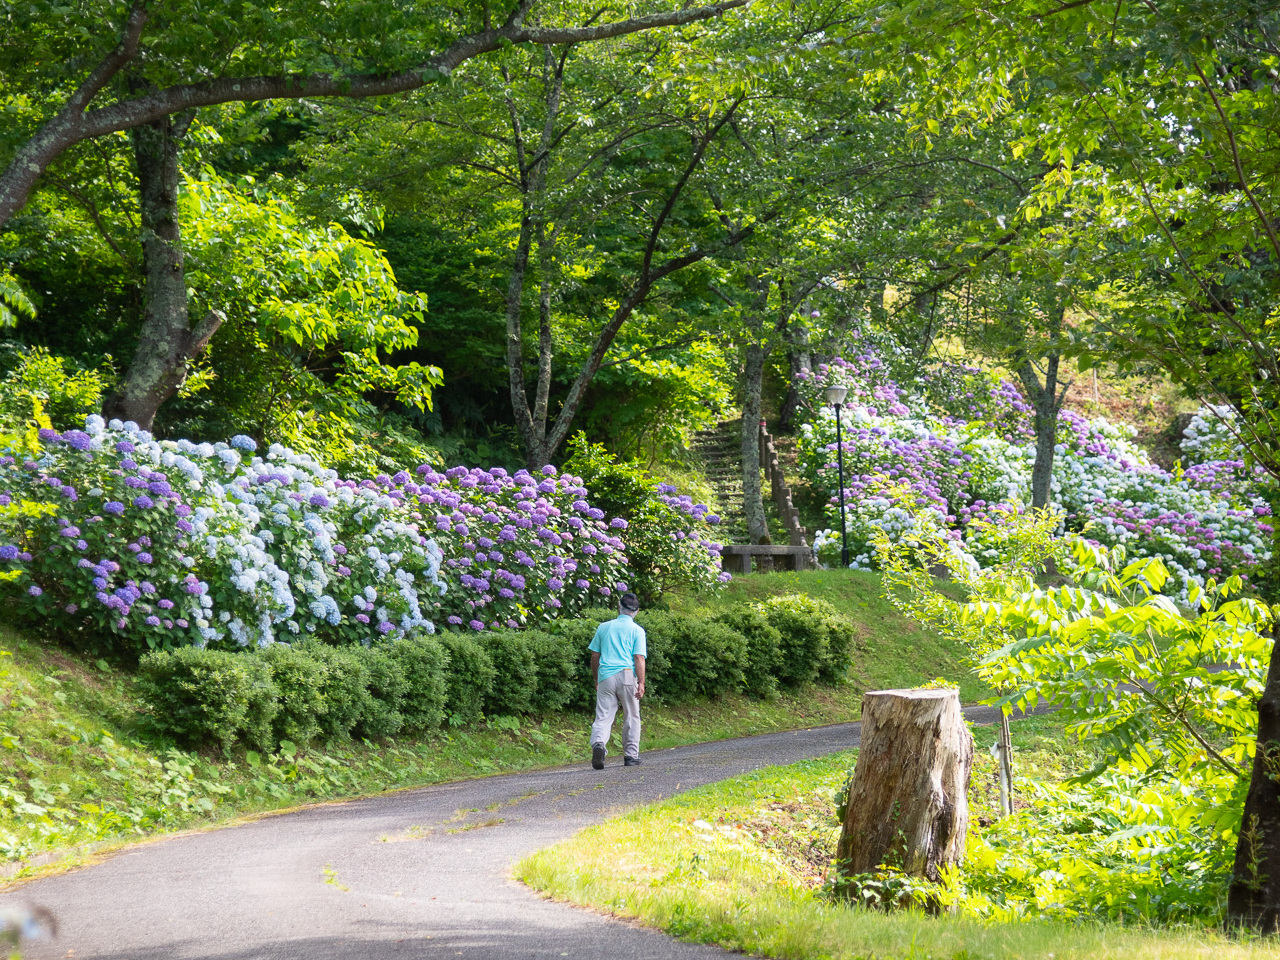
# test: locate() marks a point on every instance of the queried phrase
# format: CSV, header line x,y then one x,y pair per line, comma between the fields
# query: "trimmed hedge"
x,y
311,691
424,662
210,695
764,649
691,658
471,675
816,642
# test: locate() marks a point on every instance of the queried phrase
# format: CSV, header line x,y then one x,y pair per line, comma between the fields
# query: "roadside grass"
x,y
80,771
741,864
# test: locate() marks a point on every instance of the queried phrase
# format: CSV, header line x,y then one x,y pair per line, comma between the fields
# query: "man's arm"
x,y
595,666
639,660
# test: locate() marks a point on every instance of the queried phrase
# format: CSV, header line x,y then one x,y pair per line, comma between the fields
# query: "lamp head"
x,y
836,394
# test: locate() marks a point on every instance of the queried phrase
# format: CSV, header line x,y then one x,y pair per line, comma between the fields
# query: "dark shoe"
x,y
597,756
631,762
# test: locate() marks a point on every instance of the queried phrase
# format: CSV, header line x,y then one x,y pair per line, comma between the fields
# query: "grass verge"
x,y
741,864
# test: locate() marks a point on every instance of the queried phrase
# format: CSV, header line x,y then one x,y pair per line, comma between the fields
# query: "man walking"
x,y
617,662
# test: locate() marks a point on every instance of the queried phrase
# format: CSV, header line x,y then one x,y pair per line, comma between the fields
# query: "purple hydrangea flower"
x,y
143,502
34,590
144,557
165,604
152,621
8,552
114,507
319,500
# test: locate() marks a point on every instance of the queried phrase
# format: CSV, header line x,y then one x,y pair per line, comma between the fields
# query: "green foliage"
x,y
515,682
691,658
300,679
816,642
388,688
1138,677
424,662
563,671
200,695
14,302
344,688
574,636
667,542
471,677
50,390
309,312
764,648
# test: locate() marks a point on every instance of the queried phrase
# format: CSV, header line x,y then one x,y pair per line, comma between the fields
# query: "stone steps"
x,y
718,449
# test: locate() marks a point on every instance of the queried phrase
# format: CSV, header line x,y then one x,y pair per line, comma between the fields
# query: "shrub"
x,y
471,676
764,648
563,668
575,636
816,642
424,663
515,681
959,442
388,687
670,539
144,544
300,681
690,658
197,696
347,700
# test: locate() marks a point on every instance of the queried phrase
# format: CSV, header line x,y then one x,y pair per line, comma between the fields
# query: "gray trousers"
x,y
615,691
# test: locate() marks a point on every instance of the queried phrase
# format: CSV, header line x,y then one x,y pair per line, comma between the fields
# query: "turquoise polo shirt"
x,y
618,642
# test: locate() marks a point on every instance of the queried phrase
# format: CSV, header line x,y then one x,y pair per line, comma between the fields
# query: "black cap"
x,y
629,601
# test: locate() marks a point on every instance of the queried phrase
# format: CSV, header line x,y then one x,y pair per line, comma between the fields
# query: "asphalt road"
x,y
422,874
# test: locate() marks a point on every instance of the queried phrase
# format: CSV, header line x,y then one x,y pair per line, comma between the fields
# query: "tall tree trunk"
x,y
1047,400
798,358
168,343
752,496
1253,899
757,349
1046,425
531,422
650,273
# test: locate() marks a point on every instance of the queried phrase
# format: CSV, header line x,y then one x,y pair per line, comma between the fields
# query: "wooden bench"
x,y
737,557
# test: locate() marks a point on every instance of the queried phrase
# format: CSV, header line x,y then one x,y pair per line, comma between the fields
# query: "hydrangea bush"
x,y
965,452
145,544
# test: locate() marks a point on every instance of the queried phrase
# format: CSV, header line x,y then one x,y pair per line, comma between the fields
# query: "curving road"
x,y
418,874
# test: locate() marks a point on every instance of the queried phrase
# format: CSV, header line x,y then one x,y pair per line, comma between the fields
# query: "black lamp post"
x,y
835,397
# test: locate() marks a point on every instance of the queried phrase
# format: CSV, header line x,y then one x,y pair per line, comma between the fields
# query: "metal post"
x,y
844,531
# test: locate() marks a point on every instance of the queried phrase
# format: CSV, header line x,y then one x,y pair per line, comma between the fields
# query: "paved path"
x,y
393,876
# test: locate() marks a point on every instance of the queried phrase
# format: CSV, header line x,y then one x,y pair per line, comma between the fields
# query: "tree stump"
x,y
908,797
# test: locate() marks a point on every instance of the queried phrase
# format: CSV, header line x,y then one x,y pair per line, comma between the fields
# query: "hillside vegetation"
x,y
83,768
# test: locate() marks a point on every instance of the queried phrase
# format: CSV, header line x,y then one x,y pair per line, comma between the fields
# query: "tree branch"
x,y
73,124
